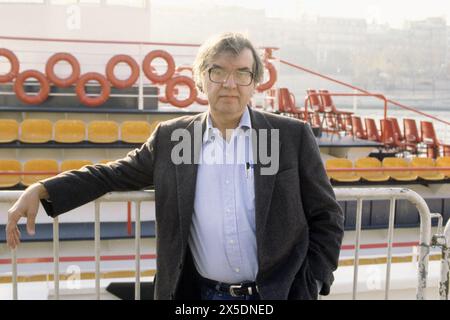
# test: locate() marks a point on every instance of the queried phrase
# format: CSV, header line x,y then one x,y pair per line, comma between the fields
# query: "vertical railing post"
x,y
56,256
14,273
97,248
137,286
389,252
445,264
357,247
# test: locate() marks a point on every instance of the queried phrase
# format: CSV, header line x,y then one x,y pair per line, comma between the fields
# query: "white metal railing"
x,y
442,240
342,194
136,196
391,194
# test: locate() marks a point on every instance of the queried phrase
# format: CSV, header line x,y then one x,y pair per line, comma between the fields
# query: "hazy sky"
x,y
394,12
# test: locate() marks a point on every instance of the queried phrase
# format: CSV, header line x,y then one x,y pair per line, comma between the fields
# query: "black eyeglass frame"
x,y
221,82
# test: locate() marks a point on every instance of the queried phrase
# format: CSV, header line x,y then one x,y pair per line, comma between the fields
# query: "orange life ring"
x,y
8,54
149,71
170,91
122,84
180,69
23,96
81,91
50,72
272,78
163,99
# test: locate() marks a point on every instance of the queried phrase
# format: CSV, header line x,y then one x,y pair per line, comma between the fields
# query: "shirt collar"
x,y
244,124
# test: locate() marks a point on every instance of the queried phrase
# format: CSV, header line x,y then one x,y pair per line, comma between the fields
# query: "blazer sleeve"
x,y
323,213
74,188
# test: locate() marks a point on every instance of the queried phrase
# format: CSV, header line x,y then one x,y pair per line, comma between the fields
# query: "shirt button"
x,y
228,210
237,270
227,182
231,241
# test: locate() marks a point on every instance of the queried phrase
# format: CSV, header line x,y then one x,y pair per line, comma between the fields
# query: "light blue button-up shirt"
x,y
222,237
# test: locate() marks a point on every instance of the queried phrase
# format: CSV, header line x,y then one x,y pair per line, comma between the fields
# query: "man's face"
x,y
229,98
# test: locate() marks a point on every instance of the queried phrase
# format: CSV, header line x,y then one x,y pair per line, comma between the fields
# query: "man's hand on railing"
x,y
26,206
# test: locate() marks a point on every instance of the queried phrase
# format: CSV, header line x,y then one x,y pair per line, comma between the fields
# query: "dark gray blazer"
x,y
299,225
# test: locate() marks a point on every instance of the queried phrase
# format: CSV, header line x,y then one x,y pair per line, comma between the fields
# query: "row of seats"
x,y
50,167
47,168
393,136
382,172
74,131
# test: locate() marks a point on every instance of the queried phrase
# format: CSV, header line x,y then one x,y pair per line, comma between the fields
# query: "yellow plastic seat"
x,y
45,165
9,180
70,131
103,131
443,162
406,175
9,130
344,176
68,165
36,131
370,162
427,175
135,131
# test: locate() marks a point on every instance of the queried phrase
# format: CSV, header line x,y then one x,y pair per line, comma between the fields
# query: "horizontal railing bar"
x,y
147,195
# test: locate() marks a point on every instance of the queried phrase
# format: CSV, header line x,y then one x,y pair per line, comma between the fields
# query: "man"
x,y
233,230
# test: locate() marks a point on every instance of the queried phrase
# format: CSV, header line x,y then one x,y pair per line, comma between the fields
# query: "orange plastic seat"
x,y
9,130
70,131
135,131
9,180
357,128
406,175
371,175
344,176
68,165
103,131
424,163
45,165
372,130
443,162
36,131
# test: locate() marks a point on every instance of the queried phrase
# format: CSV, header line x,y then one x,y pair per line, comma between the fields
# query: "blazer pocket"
x,y
304,286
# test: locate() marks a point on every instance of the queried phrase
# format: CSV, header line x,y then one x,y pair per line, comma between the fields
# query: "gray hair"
x,y
226,42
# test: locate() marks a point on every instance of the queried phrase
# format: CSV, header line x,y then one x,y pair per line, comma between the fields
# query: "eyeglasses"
x,y
241,77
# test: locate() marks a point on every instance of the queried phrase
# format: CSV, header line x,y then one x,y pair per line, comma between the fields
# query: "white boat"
x,y
80,251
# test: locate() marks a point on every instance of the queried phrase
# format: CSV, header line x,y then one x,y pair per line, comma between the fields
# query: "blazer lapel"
x,y
263,183
186,176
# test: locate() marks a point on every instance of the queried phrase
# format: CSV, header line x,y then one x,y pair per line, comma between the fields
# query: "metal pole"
x,y
389,252
97,249
14,273
445,265
56,256
137,286
357,247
